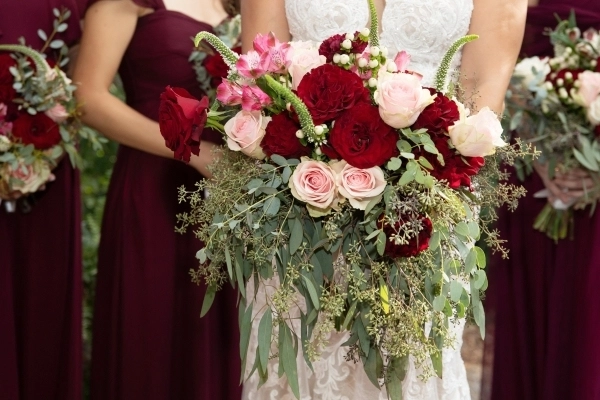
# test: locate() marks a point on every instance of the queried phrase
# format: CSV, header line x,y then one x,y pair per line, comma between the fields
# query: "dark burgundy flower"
x,y
182,119
280,138
361,137
7,93
415,245
457,170
38,130
332,45
567,84
216,67
329,90
439,115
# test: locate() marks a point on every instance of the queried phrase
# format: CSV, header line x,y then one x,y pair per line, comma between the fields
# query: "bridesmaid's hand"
x,y
567,187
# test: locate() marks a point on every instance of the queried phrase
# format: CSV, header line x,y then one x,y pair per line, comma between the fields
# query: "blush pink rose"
x,y
593,112
589,88
245,132
58,113
401,98
359,186
304,57
25,178
313,182
477,135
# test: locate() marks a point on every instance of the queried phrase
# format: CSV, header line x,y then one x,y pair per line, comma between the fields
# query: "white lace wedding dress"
x,y
425,29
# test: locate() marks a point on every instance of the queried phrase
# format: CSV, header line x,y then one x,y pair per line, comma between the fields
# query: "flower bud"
x,y
299,134
344,59
593,63
347,44
375,51
568,74
365,31
349,36
384,51
363,62
373,64
562,92
392,67
336,58
548,85
319,130
560,82
318,151
372,82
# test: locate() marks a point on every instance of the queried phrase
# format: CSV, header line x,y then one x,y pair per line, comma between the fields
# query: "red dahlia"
x,y
280,138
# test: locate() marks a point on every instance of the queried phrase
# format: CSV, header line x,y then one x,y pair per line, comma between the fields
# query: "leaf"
x,y
471,261
480,257
349,315
57,44
279,160
265,329
296,235
407,155
592,165
436,361
462,229
62,27
288,358
456,290
480,279
479,315
434,242
372,203
371,366
271,206
394,164
286,174
200,255
424,162
312,291
42,35
404,146
381,242
363,337
396,374
406,178
474,230
228,262
439,303
385,296
209,297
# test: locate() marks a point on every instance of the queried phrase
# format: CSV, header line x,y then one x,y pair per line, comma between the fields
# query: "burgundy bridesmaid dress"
x,y
545,299
149,342
40,255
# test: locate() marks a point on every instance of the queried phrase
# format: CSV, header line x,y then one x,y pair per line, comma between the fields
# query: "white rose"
x,y
5,143
593,112
533,71
245,132
305,57
401,98
477,135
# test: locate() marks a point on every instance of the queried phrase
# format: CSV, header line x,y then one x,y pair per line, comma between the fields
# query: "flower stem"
x,y
374,31
228,55
442,72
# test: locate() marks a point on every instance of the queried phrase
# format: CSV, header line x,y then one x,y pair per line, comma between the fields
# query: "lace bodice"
x,y
424,28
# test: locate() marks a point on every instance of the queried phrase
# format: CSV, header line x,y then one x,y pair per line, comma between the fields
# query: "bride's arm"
x,y
263,16
488,62
109,27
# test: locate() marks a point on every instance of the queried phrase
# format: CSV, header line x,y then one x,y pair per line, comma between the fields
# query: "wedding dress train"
x,y
425,29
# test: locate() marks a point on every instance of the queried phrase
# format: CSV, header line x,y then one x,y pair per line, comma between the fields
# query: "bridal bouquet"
x,y
345,183
555,103
39,121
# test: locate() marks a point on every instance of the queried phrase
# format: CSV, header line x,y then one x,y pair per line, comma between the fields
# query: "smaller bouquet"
x,y
555,103
39,119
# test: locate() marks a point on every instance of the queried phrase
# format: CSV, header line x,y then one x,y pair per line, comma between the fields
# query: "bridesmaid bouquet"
x,y
555,103
349,184
39,121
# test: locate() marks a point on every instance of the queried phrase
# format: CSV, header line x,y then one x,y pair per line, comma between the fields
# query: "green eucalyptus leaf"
x,y
480,279
481,262
439,303
271,206
462,229
456,289
296,235
406,178
279,160
394,164
265,329
287,356
312,291
209,297
381,242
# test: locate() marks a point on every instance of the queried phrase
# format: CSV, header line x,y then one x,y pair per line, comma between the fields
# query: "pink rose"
x,y
313,182
359,186
593,112
589,88
245,132
305,57
25,178
229,93
57,113
477,135
401,98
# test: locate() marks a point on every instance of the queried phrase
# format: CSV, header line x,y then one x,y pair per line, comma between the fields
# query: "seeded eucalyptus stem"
x,y
374,31
442,72
228,55
308,126
38,60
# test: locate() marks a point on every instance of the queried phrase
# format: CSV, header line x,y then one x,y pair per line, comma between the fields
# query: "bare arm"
x,y
263,16
488,62
109,27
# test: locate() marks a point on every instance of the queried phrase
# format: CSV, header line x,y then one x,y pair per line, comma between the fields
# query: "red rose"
x,y
38,130
280,138
439,115
362,138
415,245
181,119
7,93
457,170
330,46
216,67
329,90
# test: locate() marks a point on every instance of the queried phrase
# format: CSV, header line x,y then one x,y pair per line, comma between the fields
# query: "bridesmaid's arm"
x,y
109,27
488,62
263,16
